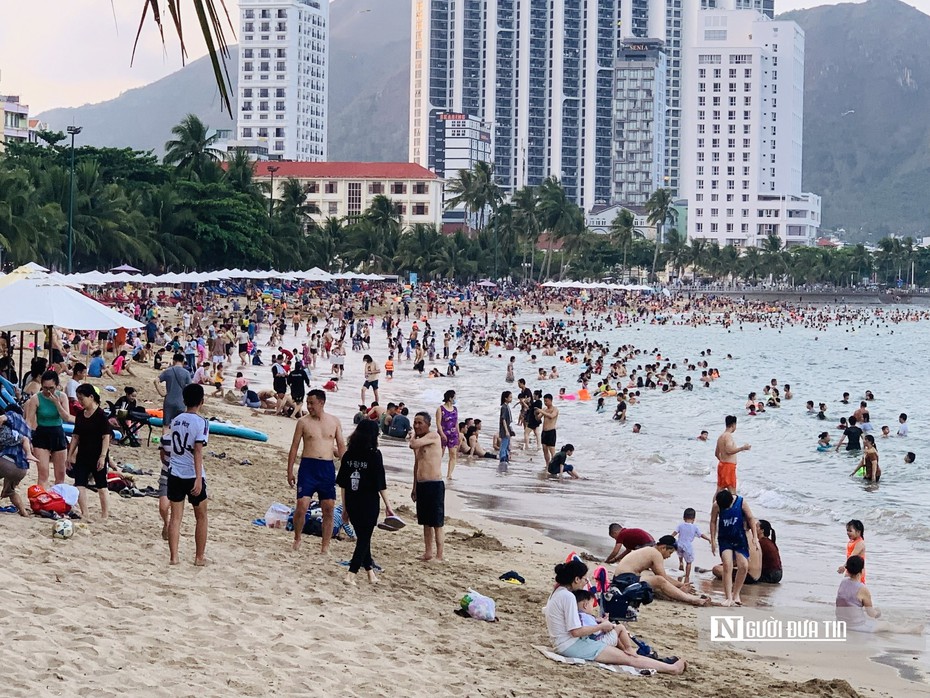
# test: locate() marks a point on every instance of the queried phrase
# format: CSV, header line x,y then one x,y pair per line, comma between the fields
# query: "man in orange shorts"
x,y
726,456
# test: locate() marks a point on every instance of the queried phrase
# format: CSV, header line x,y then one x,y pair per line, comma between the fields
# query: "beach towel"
x,y
617,669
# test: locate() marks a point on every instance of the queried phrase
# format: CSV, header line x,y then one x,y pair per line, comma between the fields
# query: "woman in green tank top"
x,y
45,412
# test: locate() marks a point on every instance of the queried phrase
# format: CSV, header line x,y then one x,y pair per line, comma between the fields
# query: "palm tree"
x,y
191,150
209,14
291,205
698,254
240,171
559,215
752,263
660,212
621,231
476,190
526,220
772,254
677,250
862,261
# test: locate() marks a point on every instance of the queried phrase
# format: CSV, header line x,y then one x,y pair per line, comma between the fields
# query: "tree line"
x,y
202,209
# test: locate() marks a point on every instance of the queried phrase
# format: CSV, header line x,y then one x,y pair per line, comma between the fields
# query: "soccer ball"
x,y
63,529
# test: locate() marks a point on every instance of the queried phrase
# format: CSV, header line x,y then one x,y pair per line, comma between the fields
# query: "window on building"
x,y
747,87
420,209
400,209
698,227
713,227
717,129
398,188
375,188
747,143
420,188
716,115
700,157
714,212
731,101
331,188
332,208
716,87
716,101
354,199
247,106
247,133
701,128
247,66
699,212
313,187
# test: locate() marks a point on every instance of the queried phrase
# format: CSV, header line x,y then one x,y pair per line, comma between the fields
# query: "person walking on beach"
x,y
362,480
730,518
447,420
321,435
726,453
429,491
505,432
186,475
550,415
87,452
371,377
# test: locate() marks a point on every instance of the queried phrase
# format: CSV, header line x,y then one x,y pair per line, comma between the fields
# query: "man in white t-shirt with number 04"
x,y
186,477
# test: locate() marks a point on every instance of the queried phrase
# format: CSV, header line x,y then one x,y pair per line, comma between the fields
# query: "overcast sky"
x,y
56,53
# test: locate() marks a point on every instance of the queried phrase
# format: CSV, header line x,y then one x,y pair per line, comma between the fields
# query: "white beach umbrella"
x,y
35,304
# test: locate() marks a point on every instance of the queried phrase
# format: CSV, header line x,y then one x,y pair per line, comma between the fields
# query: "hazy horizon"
x,y
94,38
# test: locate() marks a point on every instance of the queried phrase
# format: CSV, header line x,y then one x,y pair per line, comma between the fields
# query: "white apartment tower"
x,y
673,21
540,72
282,100
742,121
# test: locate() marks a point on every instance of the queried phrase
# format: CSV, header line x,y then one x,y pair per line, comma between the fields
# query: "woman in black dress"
x,y
361,477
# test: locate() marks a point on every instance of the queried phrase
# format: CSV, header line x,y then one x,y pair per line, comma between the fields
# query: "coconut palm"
x,y
560,216
676,248
240,172
526,221
209,18
191,150
291,205
621,232
659,213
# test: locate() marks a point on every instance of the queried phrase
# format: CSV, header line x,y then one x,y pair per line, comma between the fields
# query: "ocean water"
x,y
646,480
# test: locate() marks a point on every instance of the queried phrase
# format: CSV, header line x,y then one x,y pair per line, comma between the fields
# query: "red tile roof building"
x,y
346,189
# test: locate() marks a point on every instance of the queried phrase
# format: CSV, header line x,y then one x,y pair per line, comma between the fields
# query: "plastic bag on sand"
x,y
69,493
277,515
481,607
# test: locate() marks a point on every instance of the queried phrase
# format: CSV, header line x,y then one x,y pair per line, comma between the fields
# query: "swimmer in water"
x,y
823,441
637,428
703,436
886,431
909,458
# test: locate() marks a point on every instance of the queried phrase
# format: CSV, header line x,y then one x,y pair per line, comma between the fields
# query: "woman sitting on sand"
x,y
572,639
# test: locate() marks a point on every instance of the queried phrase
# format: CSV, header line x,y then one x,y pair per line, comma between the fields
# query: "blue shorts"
x,y
316,476
585,648
738,547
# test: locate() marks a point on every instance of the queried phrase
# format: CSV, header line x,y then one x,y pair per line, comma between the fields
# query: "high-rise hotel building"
x,y
742,125
673,22
282,99
539,72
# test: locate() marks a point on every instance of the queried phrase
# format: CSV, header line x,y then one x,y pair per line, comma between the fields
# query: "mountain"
x,y
866,101
369,84
867,96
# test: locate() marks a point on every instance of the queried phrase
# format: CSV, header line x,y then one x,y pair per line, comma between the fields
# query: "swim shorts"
x,y
372,384
548,437
739,547
726,475
50,439
316,476
585,648
83,473
431,503
163,483
180,487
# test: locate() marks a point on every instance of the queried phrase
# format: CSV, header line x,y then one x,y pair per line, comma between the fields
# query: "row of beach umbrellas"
x,y
122,276
597,285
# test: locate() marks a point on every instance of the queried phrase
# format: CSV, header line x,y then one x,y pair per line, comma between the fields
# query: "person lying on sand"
x,y
650,564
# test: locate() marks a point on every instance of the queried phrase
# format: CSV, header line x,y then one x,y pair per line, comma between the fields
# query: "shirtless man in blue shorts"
x,y
321,434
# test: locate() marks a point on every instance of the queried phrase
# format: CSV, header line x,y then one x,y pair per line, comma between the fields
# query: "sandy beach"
x,y
103,614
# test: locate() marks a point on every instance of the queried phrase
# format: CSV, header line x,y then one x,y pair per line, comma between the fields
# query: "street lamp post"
x,y
271,169
72,131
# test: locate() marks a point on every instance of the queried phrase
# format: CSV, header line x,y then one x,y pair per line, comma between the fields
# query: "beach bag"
x,y
277,515
40,500
625,594
313,526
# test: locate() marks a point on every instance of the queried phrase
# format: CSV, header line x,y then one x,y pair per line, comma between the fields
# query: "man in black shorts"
x,y
186,476
550,418
429,490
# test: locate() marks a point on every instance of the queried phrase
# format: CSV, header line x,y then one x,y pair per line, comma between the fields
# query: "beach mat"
x,y
616,669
